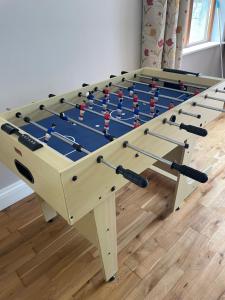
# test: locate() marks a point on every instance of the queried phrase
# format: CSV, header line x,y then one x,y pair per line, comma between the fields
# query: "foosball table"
x,y
76,150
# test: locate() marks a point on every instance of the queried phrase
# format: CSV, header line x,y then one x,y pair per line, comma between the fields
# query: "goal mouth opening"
x,y
24,171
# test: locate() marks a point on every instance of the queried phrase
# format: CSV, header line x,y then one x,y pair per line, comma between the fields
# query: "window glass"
x,y
200,21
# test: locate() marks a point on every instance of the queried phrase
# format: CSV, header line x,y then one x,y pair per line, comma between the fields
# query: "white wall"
x,y
206,61
54,46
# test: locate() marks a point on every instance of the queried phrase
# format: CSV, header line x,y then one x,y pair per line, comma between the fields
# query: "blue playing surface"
x,y
91,140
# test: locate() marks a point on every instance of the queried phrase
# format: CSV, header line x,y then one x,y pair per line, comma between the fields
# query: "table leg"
x,y
99,227
48,212
184,186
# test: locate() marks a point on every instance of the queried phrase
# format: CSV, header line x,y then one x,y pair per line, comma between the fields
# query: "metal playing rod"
x,y
96,89
135,81
152,78
148,93
176,142
139,100
185,145
220,91
214,98
56,134
189,128
62,100
172,81
171,123
208,107
126,173
124,108
42,107
183,169
108,164
94,104
162,87
169,97
181,111
146,153
99,114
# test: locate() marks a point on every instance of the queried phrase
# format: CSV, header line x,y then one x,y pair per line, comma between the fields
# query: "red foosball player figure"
x,y
82,110
137,123
120,95
106,121
106,92
152,106
196,92
171,105
135,100
181,86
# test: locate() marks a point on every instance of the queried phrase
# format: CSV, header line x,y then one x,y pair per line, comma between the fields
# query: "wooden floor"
x,y
181,257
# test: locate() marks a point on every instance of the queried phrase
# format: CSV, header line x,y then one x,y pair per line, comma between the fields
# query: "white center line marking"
x,y
70,152
40,138
70,138
180,96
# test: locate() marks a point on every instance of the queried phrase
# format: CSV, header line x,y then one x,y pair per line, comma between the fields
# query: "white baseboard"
x,y
13,193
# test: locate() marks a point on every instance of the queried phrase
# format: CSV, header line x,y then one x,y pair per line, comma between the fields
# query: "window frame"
x,y
188,24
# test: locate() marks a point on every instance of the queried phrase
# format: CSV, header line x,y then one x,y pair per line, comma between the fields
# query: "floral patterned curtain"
x,y
163,28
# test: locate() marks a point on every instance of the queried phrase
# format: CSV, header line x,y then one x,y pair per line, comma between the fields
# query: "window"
x,y
200,21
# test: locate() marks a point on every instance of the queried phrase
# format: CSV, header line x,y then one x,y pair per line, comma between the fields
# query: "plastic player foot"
x,y
112,278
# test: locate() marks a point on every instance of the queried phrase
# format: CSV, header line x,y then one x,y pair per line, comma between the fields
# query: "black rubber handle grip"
x,y
123,72
194,129
112,76
9,129
180,72
51,95
85,84
132,177
190,172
